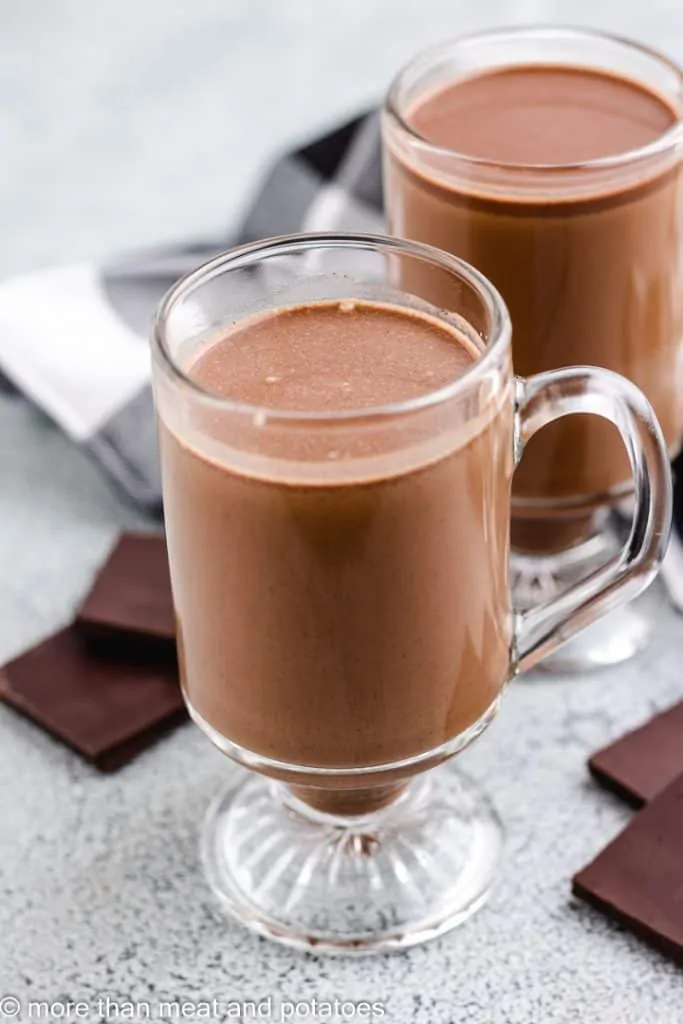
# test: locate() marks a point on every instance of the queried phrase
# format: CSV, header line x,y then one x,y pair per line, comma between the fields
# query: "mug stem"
x,y
345,803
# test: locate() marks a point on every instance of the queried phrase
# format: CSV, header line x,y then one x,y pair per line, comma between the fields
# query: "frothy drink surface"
x,y
331,356
338,621
591,275
542,115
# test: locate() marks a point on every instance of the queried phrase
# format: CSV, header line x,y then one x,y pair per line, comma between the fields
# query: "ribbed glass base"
x,y
354,884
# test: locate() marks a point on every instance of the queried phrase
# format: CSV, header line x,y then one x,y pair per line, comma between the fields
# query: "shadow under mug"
x,y
341,586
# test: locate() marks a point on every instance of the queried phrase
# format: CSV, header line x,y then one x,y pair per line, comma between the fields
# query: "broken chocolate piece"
x,y
644,762
107,710
130,600
638,879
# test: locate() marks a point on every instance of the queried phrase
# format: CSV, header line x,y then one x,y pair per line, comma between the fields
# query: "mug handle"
x,y
546,397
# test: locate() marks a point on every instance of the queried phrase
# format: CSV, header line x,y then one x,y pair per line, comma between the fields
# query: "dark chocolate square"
x,y
106,709
130,601
644,762
638,879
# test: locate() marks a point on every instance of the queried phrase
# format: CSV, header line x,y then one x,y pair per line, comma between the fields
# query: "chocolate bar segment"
x,y
638,879
644,762
107,710
130,601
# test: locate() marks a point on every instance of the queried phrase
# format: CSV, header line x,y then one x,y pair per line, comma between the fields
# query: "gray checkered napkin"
x,y
73,339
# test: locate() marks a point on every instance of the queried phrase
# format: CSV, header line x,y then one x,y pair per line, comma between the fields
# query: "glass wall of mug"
x,y
588,257
340,578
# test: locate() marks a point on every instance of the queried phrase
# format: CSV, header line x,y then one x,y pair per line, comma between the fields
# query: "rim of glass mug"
x,y
549,176
283,245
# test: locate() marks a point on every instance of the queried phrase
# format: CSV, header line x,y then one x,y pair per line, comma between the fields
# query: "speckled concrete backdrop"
x,y
132,123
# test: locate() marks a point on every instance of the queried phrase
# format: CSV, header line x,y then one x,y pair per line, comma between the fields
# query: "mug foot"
x,y
354,884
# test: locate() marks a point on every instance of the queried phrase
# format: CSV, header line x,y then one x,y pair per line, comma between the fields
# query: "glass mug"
x,y
589,259
340,580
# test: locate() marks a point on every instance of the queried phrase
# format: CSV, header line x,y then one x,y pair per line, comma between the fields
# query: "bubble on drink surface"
x,y
347,305
260,418
273,379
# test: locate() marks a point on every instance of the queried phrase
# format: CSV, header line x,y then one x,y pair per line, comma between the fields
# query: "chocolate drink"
x,y
589,261
339,606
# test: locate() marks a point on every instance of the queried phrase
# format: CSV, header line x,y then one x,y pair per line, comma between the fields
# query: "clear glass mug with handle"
x,y
587,254
340,579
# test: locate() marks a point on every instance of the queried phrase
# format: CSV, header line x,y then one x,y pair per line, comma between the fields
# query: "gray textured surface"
x,y
130,123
